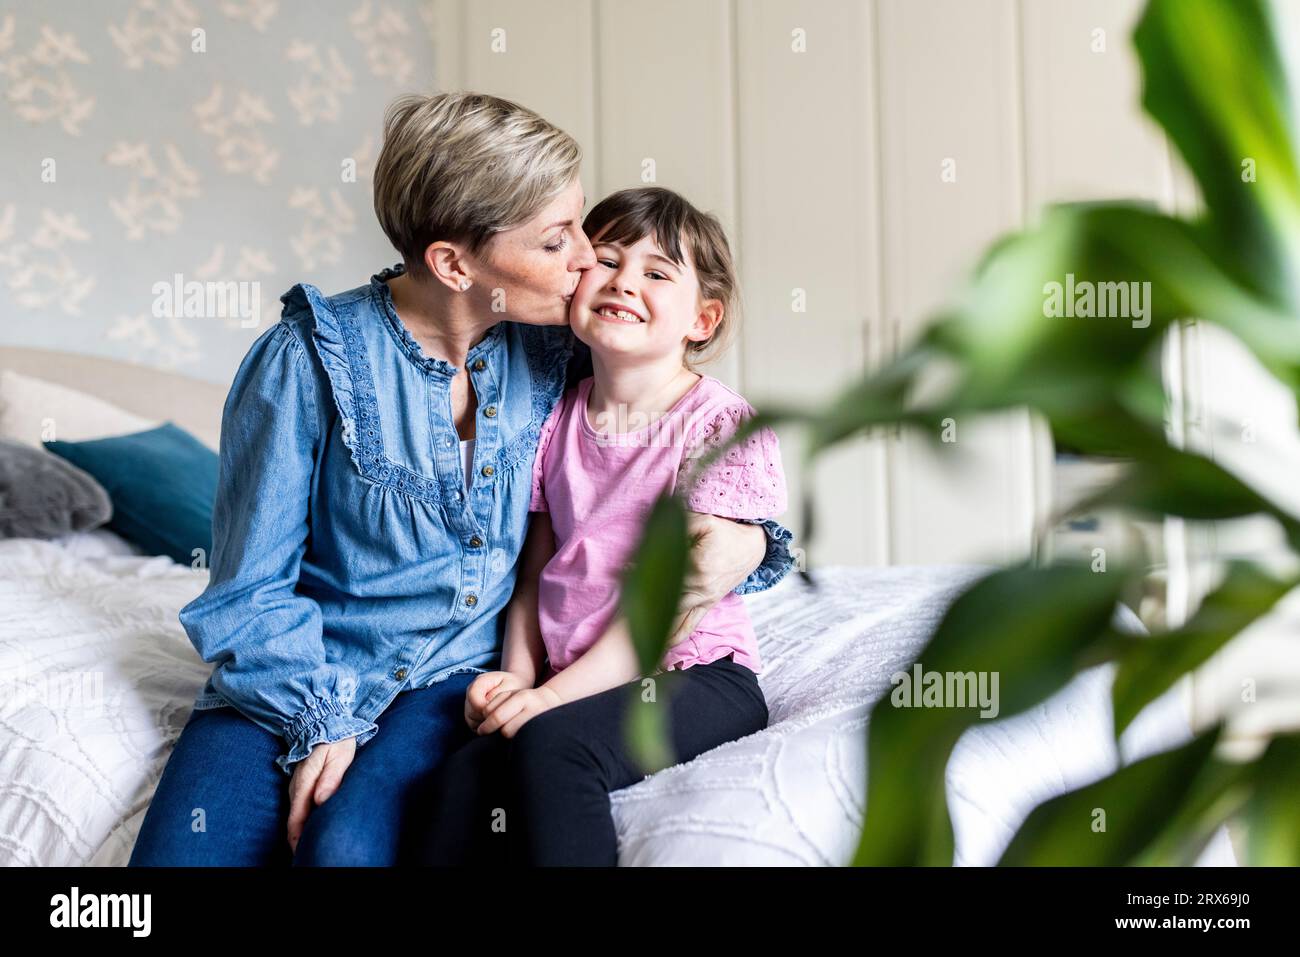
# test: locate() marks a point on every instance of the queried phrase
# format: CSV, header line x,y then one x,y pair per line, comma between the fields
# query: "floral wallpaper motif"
x,y
184,145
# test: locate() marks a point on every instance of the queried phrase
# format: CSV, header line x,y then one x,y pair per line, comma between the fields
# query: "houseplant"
x,y
1214,80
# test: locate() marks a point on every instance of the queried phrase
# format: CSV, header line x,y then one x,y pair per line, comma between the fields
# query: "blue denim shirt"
x,y
349,561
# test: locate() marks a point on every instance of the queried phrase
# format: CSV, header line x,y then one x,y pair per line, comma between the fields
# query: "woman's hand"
x,y
485,688
723,554
315,778
514,709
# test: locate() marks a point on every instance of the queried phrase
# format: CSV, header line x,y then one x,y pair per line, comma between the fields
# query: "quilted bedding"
x,y
97,678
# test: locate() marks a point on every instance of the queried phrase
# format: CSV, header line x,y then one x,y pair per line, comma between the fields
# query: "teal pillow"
x,y
162,483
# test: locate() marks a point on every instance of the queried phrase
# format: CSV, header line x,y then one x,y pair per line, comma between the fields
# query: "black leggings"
x,y
542,797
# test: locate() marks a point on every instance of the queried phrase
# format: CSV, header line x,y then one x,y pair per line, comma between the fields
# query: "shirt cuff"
x,y
323,723
777,561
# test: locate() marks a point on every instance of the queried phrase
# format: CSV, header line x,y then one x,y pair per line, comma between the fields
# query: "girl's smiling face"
x,y
637,302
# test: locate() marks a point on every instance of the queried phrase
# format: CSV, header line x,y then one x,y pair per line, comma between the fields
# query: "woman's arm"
x,y
736,544
778,558
728,555
263,636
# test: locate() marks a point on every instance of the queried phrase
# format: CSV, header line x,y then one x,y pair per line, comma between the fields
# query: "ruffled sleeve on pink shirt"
x,y
747,481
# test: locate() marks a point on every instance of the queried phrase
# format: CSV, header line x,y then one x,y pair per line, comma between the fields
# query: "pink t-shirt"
x,y
599,488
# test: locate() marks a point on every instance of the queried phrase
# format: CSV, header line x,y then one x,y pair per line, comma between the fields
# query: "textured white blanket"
x,y
97,678
795,793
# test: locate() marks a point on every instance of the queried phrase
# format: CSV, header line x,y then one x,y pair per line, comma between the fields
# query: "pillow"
x,y
162,483
28,405
43,496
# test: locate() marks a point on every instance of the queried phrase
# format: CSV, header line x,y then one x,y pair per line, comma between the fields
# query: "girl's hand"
x,y
486,687
513,710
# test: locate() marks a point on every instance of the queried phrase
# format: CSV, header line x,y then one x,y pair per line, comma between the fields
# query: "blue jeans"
x,y
222,800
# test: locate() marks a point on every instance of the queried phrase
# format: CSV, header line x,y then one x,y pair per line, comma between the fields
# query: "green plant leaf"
x,y
1031,627
652,587
1211,798
1114,820
649,730
1016,349
651,593
1272,814
1149,666
876,399
1213,77
1170,481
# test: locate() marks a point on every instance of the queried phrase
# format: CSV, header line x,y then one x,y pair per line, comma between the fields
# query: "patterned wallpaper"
x,y
168,168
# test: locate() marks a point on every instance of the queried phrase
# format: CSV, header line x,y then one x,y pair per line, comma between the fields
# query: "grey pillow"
x,y
45,496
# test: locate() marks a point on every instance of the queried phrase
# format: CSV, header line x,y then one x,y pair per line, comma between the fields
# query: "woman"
x,y
376,457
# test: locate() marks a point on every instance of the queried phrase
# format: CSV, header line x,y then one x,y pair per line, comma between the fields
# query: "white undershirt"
x,y
467,456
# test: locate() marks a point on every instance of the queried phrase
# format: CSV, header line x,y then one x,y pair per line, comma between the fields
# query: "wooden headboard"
x,y
192,404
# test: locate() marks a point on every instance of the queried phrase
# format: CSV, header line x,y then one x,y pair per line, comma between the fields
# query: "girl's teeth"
x,y
619,314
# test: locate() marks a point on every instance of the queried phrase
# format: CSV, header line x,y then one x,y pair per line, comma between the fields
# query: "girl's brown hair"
x,y
627,216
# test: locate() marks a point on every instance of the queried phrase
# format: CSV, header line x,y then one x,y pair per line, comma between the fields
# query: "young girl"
x,y
662,294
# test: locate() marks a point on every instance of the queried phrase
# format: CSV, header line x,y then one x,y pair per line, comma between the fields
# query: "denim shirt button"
x,y
489,471
479,365
490,411
400,674
475,542
471,600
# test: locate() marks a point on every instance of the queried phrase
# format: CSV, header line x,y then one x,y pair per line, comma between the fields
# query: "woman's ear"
x,y
447,264
706,320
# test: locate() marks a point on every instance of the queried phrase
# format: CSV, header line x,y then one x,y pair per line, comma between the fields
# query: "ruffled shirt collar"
x,y
407,343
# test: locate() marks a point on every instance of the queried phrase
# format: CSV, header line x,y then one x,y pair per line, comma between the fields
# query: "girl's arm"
x,y
612,660
524,651
608,663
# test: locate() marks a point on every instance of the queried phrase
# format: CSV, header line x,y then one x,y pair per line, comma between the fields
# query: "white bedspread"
x,y
97,678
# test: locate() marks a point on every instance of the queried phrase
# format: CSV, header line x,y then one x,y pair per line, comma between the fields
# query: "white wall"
x,y
827,168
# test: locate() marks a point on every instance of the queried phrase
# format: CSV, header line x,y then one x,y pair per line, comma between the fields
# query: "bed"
x,y
97,678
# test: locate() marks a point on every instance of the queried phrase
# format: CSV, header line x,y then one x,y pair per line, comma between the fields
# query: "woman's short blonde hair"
x,y
459,167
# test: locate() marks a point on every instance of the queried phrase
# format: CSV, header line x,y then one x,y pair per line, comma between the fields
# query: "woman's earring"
x,y
464,284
